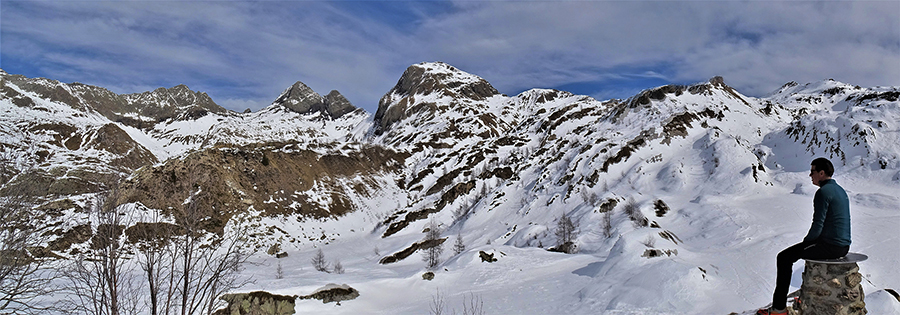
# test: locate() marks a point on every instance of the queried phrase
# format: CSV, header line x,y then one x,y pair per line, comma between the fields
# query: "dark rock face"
x,y
302,99
113,139
337,105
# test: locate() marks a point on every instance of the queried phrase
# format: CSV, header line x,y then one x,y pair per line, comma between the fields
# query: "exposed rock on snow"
x,y
257,303
303,100
406,252
485,257
333,293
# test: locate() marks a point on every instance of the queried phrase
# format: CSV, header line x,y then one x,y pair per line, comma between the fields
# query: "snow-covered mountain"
x,y
718,180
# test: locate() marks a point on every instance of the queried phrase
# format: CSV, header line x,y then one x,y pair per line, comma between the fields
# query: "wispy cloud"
x,y
245,53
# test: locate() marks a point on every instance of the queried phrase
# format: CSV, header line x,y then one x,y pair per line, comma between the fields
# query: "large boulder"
x,y
257,303
333,293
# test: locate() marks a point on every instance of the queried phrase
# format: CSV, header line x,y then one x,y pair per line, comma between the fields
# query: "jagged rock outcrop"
x,y
277,178
178,102
337,105
300,98
139,110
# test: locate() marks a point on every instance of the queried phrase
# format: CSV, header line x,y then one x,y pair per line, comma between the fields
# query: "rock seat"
x,y
832,287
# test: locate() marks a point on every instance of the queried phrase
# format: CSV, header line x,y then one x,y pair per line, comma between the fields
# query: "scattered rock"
x,y
257,303
428,276
661,208
333,293
655,252
274,249
565,248
485,257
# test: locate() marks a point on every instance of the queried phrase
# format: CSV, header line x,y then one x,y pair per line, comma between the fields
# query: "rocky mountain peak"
x,y
178,102
300,98
429,80
438,77
337,105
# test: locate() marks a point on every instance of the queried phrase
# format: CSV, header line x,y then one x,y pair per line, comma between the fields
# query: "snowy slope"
x,y
500,170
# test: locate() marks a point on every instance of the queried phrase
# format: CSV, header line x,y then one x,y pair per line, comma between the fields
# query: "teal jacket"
x,y
831,216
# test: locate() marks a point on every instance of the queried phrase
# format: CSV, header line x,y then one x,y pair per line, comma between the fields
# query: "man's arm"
x,y
820,208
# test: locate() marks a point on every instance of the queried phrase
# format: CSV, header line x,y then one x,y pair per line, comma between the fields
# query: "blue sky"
x,y
243,54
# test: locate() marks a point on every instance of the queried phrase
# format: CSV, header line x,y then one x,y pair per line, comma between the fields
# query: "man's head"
x,y
820,170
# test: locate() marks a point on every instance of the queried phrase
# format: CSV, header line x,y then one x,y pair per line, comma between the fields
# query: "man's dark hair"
x,y
823,164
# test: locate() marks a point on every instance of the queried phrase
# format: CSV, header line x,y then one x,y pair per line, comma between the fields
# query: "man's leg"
x,y
824,251
789,256
785,262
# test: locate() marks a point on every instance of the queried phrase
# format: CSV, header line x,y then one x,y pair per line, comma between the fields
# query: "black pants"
x,y
790,255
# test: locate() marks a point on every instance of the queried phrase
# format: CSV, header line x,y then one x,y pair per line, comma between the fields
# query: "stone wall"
x,y
831,289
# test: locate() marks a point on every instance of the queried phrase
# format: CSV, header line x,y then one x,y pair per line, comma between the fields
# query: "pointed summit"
x,y
300,98
337,105
428,79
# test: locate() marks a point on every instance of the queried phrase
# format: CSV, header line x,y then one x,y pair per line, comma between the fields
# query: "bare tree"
x,y
434,247
459,246
188,264
590,197
437,304
606,223
337,267
649,241
634,213
473,305
205,264
566,232
24,273
152,242
100,280
319,262
279,272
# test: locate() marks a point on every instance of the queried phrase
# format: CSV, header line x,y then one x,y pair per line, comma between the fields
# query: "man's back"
x,y
831,216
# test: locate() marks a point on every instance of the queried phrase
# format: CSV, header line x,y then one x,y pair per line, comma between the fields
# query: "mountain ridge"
x,y
499,169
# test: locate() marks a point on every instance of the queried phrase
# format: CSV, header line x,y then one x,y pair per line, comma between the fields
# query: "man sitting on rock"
x,y
828,237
